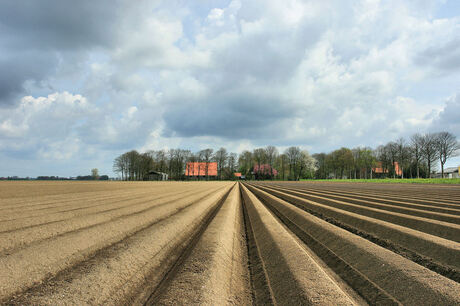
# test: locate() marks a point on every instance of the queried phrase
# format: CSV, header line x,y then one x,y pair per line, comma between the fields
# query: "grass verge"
x,y
399,181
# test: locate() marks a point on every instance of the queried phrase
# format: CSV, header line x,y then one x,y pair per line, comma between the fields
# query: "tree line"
x,y
261,163
415,157
133,165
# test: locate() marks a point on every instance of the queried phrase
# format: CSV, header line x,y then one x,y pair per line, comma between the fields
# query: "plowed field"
x,y
217,243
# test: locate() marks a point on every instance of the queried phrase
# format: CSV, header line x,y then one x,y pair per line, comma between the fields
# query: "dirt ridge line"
x,y
185,253
262,293
411,211
10,251
383,188
389,271
356,197
366,288
387,194
143,201
66,202
64,198
216,272
295,274
425,261
442,229
78,259
67,209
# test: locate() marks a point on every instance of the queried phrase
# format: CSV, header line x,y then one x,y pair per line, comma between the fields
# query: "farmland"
x,y
229,243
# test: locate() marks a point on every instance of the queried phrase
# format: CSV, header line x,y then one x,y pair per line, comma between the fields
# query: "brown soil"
x,y
217,243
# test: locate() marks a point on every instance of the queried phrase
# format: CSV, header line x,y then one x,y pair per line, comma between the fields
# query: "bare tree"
x,y
446,146
205,156
193,158
220,157
403,154
260,158
416,144
119,166
392,149
271,153
428,150
231,164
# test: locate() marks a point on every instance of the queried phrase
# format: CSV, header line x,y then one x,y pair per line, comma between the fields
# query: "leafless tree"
x,y
220,157
392,149
446,146
403,154
259,157
428,150
232,161
271,153
416,144
205,156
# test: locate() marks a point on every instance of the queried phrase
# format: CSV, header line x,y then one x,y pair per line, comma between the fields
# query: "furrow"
x,y
122,272
438,228
379,275
214,272
415,211
13,241
293,276
443,254
411,204
37,262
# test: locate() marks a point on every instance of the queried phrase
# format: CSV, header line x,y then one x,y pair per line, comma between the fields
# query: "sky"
x,y
82,82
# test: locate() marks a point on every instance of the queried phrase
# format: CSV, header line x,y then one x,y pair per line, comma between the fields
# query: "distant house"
x,y
199,169
157,176
380,170
451,172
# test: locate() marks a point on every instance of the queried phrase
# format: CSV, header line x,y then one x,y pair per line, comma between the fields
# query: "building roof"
x,y
156,172
451,170
199,169
237,174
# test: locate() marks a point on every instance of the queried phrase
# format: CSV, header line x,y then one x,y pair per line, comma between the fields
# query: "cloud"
x,y
86,79
448,119
37,38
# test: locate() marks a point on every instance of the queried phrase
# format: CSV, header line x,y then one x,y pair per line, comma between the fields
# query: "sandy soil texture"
x,y
228,243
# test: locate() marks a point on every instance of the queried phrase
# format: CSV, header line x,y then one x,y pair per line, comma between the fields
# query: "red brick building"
x,y
199,169
379,169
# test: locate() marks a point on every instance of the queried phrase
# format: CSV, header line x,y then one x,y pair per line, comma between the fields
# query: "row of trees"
x,y
261,163
415,157
136,166
268,163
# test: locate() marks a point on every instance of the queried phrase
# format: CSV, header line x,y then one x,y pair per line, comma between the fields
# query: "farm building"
x,y
380,170
201,169
157,176
451,172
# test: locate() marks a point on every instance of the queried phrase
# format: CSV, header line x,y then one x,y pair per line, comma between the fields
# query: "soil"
x,y
218,243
